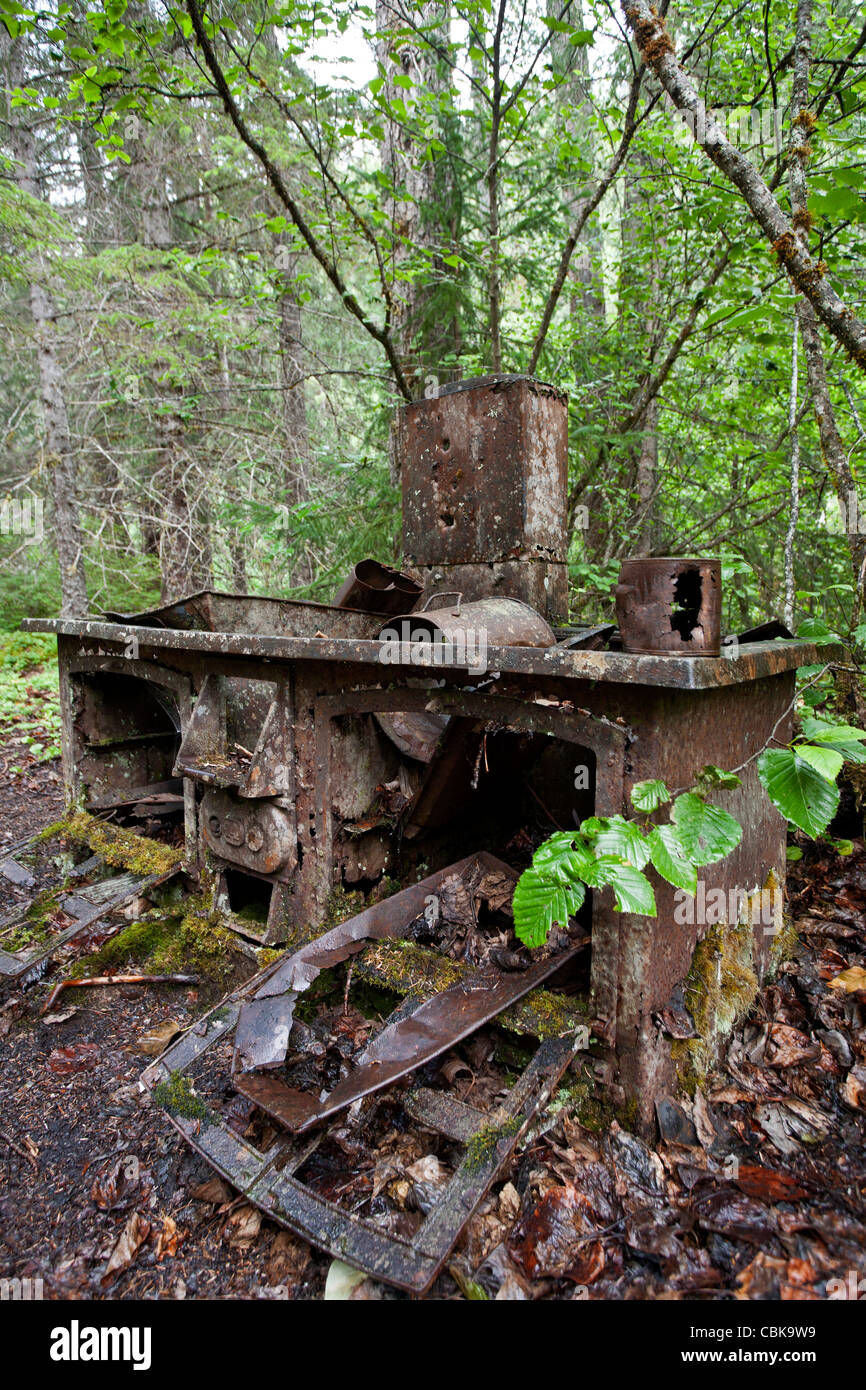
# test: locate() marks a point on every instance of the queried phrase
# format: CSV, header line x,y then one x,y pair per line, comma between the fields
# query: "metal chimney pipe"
x,y
484,467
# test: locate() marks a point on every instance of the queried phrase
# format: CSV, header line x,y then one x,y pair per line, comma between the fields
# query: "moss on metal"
x,y
121,848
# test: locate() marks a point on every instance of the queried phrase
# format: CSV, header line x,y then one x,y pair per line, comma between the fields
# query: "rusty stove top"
x,y
753,661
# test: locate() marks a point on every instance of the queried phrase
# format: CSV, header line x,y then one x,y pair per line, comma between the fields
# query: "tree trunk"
x,y
59,456
832,447
400,51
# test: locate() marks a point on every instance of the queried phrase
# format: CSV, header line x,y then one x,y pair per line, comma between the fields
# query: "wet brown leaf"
x,y
66,1061
135,1233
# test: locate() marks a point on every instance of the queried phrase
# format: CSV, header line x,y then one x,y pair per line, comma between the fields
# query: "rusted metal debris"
x,y
499,622
262,1035
418,1035
376,588
416,1032
268,1178
666,604
55,906
483,466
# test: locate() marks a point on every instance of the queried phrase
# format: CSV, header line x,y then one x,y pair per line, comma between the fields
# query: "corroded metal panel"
x,y
484,469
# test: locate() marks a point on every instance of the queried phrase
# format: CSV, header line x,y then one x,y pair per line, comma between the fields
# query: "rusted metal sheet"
x,y
406,1043
263,1031
210,611
474,627
376,588
415,734
751,662
268,1179
62,905
666,604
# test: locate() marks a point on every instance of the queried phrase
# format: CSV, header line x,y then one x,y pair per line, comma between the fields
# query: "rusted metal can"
x,y
377,588
666,604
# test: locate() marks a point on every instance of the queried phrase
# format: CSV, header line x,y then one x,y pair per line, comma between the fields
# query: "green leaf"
x,y
560,859
619,837
802,795
631,889
539,902
827,761
792,854
668,860
648,796
706,833
820,731
843,847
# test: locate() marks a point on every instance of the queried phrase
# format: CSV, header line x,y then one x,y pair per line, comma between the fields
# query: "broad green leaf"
x,y
624,840
667,858
843,847
824,760
539,902
706,833
561,859
821,731
792,854
632,891
648,796
796,789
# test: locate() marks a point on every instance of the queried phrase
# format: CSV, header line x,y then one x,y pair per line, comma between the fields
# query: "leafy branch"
x,y
800,781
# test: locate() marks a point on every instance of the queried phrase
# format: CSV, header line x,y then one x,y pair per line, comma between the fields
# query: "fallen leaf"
x,y
214,1191
767,1184
135,1233
788,1047
854,1088
341,1280
116,1186
51,1019
849,981
169,1239
509,1202
243,1226
157,1039
66,1061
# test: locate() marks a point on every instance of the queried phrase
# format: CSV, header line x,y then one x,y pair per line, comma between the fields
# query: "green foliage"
x,y
29,704
612,851
705,833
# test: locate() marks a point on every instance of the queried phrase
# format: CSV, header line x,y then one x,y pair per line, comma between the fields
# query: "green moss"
x,y
582,1098
191,938
121,848
405,968
483,1143
57,828
267,955
177,1096
720,988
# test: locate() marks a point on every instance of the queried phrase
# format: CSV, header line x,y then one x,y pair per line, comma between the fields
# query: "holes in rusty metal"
x,y
447,519
686,605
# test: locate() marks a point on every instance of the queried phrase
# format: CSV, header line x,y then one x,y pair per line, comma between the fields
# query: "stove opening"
x,y
127,734
249,897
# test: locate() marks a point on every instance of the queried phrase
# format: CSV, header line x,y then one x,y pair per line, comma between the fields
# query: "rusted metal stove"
x,y
309,754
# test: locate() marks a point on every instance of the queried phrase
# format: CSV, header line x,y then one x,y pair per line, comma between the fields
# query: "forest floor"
x,y
758,1192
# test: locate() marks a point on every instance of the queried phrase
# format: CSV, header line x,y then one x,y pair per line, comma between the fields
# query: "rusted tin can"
x,y
377,588
666,604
